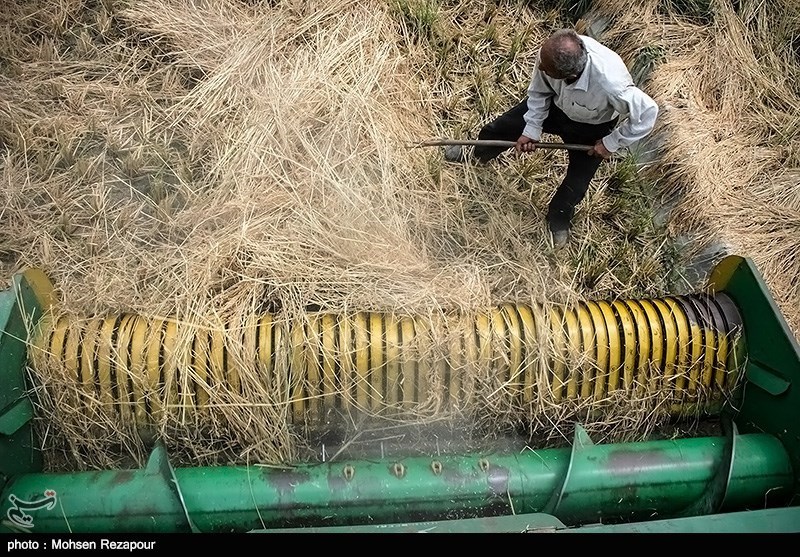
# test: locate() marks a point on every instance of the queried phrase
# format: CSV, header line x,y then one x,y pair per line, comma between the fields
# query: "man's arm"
x,y
539,95
641,111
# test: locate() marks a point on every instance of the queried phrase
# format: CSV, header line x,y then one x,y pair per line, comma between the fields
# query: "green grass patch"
x,y
420,16
699,11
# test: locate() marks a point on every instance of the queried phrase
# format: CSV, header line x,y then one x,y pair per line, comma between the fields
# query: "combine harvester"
x,y
730,342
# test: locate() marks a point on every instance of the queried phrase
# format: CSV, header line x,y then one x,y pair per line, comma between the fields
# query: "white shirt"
x,y
604,91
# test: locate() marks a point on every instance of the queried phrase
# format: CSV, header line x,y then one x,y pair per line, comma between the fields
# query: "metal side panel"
x,y
767,521
771,521
533,522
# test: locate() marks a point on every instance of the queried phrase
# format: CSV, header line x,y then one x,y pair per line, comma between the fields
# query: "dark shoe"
x,y
454,153
560,238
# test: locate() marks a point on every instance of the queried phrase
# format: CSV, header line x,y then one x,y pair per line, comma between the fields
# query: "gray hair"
x,y
567,52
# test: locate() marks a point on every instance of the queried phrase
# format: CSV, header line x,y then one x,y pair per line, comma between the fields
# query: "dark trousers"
x,y
581,168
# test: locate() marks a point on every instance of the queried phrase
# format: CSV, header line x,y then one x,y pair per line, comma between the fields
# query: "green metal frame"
x,y
769,399
587,483
21,307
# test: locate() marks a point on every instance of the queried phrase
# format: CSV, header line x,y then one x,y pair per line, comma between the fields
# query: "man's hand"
x,y
525,144
599,150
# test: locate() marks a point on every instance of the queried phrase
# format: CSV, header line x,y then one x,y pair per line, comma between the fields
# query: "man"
x,y
580,90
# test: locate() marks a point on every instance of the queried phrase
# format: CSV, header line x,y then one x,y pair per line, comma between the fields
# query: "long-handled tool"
x,y
500,143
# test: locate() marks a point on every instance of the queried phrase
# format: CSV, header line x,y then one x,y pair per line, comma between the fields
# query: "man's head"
x,y
563,55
